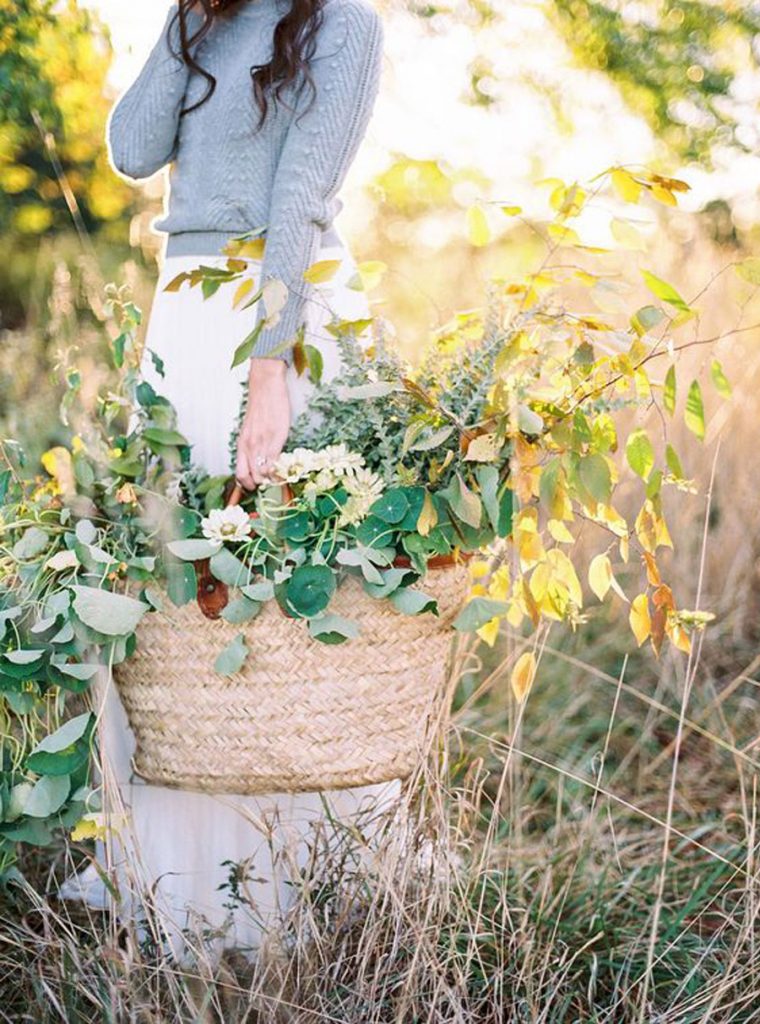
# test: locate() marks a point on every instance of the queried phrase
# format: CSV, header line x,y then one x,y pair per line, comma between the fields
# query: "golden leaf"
x,y
626,186
523,675
639,618
478,231
321,271
428,516
489,632
244,289
600,576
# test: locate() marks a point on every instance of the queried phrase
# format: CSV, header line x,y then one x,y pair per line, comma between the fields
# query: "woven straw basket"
x,y
300,715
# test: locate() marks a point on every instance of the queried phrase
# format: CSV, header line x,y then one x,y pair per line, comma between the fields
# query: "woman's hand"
x,y
266,422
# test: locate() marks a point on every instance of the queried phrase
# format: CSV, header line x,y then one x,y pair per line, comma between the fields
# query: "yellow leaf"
x,y
489,632
252,249
478,230
560,532
479,569
321,271
428,516
483,448
564,571
523,675
372,273
664,195
626,186
511,211
563,234
600,576
627,235
500,584
89,827
639,618
244,289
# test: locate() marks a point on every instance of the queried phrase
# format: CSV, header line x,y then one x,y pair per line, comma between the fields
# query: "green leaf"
x,y
23,657
181,582
391,507
32,543
477,612
392,579
674,463
48,796
232,658
596,477
262,590
194,549
309,589
644,319
465,504
670,391
665,291
719,379
108,613
62,752
488,482
245,349
160,435
85,532
431,441
694,414
6,615
241,610
360,558
227,568
413,602
333,629
640,453
78,670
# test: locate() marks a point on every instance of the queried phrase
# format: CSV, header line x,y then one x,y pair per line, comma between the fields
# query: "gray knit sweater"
x,y
227,177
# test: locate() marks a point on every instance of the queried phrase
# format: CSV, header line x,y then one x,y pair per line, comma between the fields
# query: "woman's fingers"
x,y
266,422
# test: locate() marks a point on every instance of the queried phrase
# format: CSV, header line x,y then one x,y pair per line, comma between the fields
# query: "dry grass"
x,y
589,858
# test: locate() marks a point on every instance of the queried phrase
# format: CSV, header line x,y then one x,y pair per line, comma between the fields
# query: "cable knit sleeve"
x,y
321,142
143,124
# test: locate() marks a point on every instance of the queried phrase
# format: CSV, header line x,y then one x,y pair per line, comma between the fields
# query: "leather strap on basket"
x,y
212,595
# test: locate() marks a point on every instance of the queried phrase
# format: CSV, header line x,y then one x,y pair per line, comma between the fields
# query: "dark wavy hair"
x,y
294,43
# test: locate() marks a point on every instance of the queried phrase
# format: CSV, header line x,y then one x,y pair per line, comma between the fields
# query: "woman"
x,y
259,106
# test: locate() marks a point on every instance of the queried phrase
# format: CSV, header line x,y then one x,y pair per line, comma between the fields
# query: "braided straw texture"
x,y
300,715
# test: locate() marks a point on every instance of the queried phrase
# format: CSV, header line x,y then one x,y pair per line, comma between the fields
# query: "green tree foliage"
x,y
53,64
675,61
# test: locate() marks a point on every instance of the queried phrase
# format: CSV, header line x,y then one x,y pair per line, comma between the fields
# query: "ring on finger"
x,y
261,460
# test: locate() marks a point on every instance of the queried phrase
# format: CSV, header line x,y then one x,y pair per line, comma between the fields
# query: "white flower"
x,y
225,524
340,459
364,488
325,480
296,465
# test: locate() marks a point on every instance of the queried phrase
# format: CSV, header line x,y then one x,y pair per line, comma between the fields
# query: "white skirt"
x,y
186,848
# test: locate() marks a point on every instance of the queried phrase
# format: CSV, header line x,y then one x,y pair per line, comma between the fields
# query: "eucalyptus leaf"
x,y
193,550
241,610
333,629
227,568
48,796
108,613
32,543
232,658
413,602
262,590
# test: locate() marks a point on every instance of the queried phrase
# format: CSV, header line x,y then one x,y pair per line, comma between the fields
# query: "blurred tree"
x,y
53,164
677,62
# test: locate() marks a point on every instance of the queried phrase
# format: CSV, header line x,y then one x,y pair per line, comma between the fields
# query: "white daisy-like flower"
x,y
291,467
364,488
226,524
325,480
340,459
